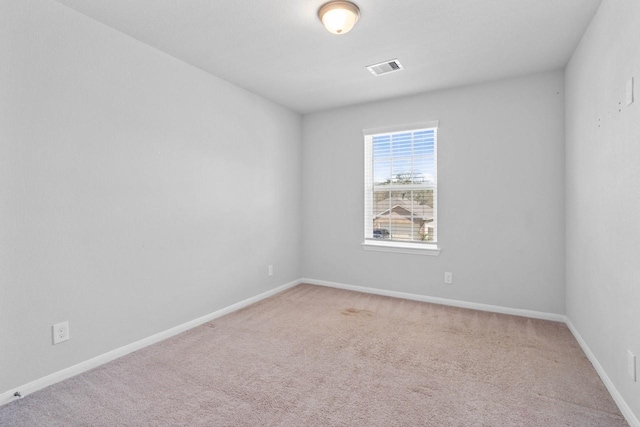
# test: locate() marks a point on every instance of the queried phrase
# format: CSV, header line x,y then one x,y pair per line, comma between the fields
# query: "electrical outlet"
x,y
631,365
60,332
448,278
270,269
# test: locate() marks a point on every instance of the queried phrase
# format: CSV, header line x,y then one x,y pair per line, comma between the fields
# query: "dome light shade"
x,y
339,17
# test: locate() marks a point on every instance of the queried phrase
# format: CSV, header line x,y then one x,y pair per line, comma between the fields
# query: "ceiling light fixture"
x,y
339,17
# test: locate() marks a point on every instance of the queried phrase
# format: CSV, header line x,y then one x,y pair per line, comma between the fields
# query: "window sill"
x,y
401,247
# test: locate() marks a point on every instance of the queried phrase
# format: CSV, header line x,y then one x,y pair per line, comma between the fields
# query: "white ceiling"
x,y
279,49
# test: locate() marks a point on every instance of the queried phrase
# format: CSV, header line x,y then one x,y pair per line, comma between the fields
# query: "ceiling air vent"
x,y
385,67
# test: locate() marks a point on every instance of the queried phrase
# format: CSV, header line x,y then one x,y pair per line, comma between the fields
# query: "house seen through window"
x,y
401,186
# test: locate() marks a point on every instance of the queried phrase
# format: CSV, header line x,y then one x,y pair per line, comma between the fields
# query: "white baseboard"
x,y
74,370
443,301
617,397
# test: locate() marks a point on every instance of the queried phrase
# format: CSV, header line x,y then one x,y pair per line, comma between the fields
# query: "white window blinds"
x,y
401,185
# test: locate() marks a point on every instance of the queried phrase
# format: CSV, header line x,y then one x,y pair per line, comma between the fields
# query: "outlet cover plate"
x,y
631,365
60,332
448,278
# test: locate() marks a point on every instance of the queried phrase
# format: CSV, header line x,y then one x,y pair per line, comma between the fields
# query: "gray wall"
x,y
603,191
136,192
501,195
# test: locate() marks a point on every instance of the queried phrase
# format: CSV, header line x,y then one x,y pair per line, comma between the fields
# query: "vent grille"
x,y
385,67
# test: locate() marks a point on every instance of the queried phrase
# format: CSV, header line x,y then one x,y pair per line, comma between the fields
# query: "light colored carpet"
x,y
320,356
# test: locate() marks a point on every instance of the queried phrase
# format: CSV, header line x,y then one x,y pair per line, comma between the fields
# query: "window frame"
x,y
371,244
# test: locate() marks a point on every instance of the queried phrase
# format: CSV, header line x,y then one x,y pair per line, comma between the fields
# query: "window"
x,y
400,206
